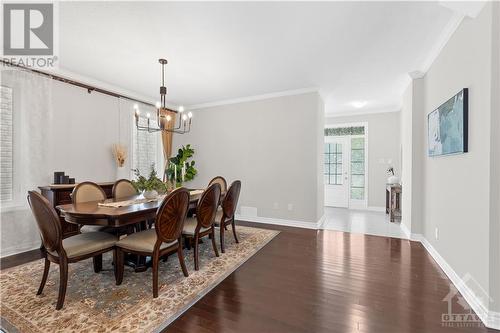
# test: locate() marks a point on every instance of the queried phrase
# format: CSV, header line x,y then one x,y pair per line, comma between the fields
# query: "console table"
x,y
393,201
59,194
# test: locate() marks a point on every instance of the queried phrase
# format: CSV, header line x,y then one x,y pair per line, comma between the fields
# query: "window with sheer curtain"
x,y
6,145
146,150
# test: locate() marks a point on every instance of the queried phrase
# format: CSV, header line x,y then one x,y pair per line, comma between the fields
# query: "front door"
x,y
336,171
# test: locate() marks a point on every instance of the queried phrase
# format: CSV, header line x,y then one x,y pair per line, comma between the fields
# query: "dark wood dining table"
x,y
95,213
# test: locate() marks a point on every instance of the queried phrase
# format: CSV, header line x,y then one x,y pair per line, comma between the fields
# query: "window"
x,y
145,150
333,164
358,168
6,145
342,131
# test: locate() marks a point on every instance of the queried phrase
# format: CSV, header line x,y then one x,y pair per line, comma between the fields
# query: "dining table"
x,y
119,213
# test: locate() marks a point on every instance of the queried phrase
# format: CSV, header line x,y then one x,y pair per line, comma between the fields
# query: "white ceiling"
x,y
350,51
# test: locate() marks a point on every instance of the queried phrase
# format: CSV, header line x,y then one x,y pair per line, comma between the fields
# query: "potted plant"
x,y
150,186
180,169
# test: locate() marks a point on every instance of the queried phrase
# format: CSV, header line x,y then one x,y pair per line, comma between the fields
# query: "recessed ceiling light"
x,y
359,104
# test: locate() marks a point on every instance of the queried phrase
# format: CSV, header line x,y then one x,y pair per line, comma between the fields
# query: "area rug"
x,y
95,304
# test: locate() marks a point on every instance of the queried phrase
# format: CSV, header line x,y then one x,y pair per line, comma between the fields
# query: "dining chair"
x,y
165,238
64,251
123,188
222,182
85,192
203,223
226,216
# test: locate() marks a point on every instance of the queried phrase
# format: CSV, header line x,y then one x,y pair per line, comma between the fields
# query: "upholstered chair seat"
x,y
143,241
190,226
86,243
94,228
218,217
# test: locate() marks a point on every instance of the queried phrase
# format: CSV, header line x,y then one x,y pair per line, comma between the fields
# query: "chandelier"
x,y
164,121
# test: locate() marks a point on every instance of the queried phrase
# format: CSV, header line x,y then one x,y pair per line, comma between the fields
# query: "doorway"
x,y
345,165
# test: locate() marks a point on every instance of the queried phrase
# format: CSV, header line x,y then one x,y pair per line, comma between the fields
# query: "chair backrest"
x,y
231,199
207,206
47,221
123,188
87,191
221,181
171,215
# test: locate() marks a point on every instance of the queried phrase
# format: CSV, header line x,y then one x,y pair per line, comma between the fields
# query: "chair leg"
x,y
119,259
156,259
44,276
97,263
213,241
196,258
181,260
234,231
222,227
63,282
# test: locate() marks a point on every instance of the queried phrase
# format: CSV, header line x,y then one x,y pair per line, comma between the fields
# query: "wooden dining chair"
x,y
203,223
165,238
222,182
64,251
85,192
226,216
123,188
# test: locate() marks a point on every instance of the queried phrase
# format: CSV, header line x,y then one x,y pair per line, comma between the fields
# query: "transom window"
x,y
333,164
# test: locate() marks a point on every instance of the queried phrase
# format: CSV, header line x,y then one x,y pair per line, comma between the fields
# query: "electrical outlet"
x,y
276,205
436,233
290,207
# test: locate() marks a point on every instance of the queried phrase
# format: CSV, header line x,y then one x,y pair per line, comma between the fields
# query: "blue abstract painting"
x,y
448,126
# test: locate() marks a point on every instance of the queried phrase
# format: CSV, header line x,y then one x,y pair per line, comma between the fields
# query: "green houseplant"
x,y
180,169
150,186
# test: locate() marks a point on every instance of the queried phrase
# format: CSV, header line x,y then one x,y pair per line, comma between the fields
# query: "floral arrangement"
x,y
152,183
119,154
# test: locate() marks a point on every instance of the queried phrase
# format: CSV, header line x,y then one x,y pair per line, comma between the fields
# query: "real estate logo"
x,y
460,313
28,34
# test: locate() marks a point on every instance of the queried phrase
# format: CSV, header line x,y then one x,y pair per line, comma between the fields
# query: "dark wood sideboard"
x,y
60,195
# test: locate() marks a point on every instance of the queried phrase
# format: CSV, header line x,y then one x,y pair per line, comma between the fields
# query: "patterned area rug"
x,y
95,304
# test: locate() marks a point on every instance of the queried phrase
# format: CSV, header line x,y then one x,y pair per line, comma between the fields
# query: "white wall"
x,y
271,145
456,196
83,127
383,143
457,187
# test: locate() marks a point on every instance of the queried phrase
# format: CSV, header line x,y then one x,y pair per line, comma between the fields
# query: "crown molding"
x,y
443,39
391,109
252,98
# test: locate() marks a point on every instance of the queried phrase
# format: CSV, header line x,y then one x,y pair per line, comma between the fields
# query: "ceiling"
x,y
217,51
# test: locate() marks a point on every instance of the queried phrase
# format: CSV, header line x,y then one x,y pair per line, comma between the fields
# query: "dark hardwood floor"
x,y
324,281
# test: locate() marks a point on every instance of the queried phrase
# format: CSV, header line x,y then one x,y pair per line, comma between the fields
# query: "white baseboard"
x,y
405,230
375,209
490,319
288,223
20,248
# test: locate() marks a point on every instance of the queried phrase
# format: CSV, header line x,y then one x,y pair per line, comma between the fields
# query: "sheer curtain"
x,y
33,146
32,133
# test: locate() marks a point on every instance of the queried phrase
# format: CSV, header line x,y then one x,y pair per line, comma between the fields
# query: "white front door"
x,y
336,171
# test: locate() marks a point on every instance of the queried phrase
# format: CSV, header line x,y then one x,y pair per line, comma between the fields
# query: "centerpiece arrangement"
x,y
151,186
181,170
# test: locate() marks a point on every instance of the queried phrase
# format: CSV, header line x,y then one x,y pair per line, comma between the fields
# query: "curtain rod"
x,y
77,83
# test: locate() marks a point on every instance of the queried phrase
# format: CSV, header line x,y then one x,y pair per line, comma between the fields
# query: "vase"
x,y
122,173
393,180
150,194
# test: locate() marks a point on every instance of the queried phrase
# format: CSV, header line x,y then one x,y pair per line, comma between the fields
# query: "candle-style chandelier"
x,y
163,114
